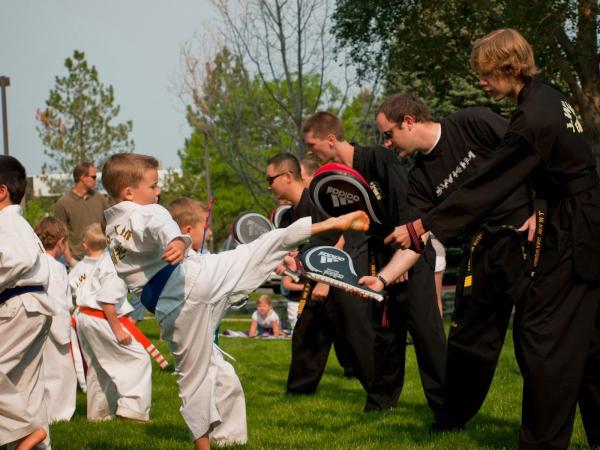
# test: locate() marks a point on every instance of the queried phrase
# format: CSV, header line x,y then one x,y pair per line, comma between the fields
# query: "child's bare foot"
x,y
356,221
32,439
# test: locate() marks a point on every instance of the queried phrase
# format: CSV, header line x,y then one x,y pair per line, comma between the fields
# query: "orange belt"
x,y
134,331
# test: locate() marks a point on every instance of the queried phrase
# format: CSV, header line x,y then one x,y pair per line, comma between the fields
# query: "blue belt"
x,y
155,286
7,294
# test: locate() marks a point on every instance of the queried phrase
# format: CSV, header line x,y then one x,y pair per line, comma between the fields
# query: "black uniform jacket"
x,y
545,145
468,138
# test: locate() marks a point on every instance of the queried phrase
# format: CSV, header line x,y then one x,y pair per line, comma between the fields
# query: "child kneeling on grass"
x,y
146,244
265,320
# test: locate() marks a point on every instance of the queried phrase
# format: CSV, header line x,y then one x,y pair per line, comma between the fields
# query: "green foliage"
x,y
77,122
38,208
331,419
424,47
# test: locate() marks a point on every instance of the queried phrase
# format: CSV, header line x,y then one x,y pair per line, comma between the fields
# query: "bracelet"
x,y
383,280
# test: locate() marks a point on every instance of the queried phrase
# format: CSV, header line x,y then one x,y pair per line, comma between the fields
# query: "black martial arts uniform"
x,y
494,270
411,306
341,319
557,321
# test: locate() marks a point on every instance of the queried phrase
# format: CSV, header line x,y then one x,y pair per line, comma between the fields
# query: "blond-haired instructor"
x,y
557,320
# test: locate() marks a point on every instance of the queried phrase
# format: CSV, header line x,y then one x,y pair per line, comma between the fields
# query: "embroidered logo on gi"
x,y
329,258
452,176
572,121
339,197
80,280
377,191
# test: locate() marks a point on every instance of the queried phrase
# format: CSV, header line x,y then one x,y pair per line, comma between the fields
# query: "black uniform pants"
x,y
412,308
342,320
557,340
498,276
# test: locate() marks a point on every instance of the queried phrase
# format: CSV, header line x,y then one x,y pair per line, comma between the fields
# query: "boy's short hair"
x,y
94,237
81,169
264,299
504,52
13,175
50,230
310,166
186,211
322,124
125,170
404,104
286,162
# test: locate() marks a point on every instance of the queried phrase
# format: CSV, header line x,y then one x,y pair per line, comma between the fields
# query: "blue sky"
x,y
134,44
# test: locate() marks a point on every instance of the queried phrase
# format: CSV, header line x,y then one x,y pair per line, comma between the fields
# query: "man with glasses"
x,y
327,316
412,306
79,207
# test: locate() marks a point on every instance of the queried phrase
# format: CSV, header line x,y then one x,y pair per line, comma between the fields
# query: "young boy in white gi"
x,y
58,367
145,243
119,373
25,317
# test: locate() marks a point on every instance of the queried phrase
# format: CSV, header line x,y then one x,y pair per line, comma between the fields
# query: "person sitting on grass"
x,y
265,320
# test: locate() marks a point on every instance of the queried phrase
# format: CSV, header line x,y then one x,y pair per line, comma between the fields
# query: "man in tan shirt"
x,y
79,207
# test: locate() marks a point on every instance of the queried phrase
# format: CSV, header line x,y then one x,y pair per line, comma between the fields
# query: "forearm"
x,y
401,262
252,331
111,317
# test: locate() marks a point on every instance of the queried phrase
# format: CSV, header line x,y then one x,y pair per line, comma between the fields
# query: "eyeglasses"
x,y
387,135
271,179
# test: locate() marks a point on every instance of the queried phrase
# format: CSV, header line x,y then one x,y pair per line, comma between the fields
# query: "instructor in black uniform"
x,y
557,320
412,306
494,266
326,315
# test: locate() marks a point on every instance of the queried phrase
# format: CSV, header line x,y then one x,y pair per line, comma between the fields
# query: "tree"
x,y
244,126
289,46
425,46
76,124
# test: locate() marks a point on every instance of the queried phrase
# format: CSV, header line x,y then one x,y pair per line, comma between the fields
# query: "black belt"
x,y
572,187
155,286
7,294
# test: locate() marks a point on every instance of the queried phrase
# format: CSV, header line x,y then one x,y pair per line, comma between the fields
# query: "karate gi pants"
x,y
119,377
411,308
22,406
60,380
342,320
499,278
201,289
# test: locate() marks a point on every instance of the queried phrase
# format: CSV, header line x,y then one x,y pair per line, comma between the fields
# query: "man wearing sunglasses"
x,y
79,207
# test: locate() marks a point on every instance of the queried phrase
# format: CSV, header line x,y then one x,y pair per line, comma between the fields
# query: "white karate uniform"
x,y
119,377
24,324
192,303
59,370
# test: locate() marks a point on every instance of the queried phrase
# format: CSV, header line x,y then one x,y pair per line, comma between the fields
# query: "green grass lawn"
x,y
332,419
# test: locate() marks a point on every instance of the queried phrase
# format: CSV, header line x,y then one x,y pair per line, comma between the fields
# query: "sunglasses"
x,y
271,179
92,176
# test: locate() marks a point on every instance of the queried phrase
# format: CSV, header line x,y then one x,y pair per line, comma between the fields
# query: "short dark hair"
x,y
81,169
286,161
323,123
404,104
14,177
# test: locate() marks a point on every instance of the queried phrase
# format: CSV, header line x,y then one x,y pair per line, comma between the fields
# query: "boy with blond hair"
x,y
119,373
557,319
58,368
146,246
192,217
25,317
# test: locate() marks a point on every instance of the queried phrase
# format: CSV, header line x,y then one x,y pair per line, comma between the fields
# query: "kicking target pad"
x,y
249,226
281,216
337,189
334,267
